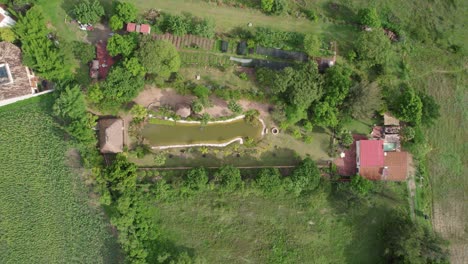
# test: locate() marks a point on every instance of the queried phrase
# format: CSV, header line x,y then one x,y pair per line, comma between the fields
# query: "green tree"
x,y
116,23
229,178
406,241
269,181
325,115
127,12
197,106
305,177
312,45
203,27
39,52
159,57
360,185
6,34
176,24
267,5
201,91
337,84
197,179
369,17
373,48
134,66
430,109
88,11
205,118
346,138
120,87
279,7
70,109
83,51
122,44
409,106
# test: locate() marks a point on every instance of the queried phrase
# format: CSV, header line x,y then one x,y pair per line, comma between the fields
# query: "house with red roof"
x,y
374,163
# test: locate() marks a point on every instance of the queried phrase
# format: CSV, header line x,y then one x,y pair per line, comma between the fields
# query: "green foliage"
x,y
70,108
251,116
229,178
138,113
279,7
269,181
407,133
267,5
305,177
361,186
134,66
88,11
187,24
122,44
197,106
243,76
159,57
6,34
235,107
83,51
201,91
409,242
346,138
197,179
116,23
42,198
312,45
205,118
120,87
272,38
39,52
159,159
127,12
430,109
408,106
325,115
369,17
373,48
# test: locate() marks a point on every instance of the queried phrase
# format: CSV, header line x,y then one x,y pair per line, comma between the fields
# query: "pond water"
x,y
215,133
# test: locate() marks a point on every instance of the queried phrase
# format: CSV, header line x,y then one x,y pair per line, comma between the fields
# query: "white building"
x,y
5,19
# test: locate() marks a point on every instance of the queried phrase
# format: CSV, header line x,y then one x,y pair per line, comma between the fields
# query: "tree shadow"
x,y
339,11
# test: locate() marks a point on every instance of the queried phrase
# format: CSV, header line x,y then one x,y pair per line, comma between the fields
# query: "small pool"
x,y
188,134
389,146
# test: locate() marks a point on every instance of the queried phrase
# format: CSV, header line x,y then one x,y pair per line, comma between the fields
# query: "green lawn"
x,y
247,228
46,215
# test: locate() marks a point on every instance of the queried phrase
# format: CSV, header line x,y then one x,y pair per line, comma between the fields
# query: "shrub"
x,y
197,179
87,11
235,107
160,159
229,178
243,76
369,17
269,181
197,106
305,177
360,185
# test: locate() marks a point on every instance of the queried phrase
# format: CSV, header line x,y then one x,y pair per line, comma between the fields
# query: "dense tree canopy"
x,y
126,11
6,34
369,17
373,48
116,23
306,176
70,109
197,179
408,106
88,11
312,45
430,109
229,178
159,57
122,44
360,185
40,53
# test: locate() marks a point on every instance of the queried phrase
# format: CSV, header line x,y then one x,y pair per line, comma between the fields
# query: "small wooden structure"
x,y
111,135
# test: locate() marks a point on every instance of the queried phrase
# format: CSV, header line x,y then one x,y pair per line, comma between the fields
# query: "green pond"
x,y
214,133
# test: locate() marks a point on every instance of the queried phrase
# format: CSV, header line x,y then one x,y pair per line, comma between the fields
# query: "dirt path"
x,y
411,186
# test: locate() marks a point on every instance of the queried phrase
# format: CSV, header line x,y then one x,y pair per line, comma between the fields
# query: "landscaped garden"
x,y
315,71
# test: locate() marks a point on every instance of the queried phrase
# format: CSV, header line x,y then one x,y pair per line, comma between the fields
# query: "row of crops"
x,y
45,215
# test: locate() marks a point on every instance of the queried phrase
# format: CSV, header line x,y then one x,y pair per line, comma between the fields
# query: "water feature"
x,y
389,146
161,135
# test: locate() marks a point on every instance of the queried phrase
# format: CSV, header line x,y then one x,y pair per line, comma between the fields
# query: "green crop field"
x,y
246,228
46,215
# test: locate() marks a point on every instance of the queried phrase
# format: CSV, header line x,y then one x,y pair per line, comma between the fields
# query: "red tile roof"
x,y
131,27
371,153
145,29
396,164
104,58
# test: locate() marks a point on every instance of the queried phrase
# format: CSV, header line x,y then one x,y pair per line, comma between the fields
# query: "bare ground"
x,y
157,96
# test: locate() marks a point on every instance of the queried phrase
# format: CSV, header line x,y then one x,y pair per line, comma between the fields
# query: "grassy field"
x,y
246,228
46,214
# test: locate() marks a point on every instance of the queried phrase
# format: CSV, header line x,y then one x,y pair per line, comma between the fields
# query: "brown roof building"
x,y
15,79
111,135
395,166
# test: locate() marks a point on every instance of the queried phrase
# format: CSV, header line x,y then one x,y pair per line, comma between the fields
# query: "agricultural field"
x,y
243,227
46,214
